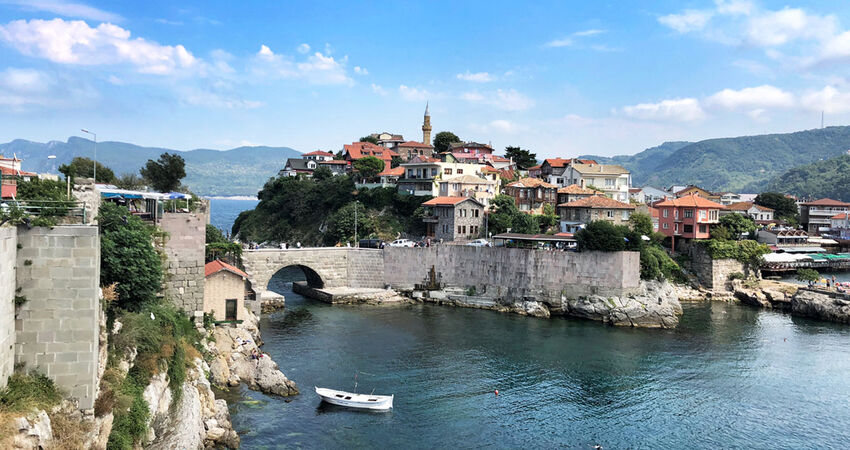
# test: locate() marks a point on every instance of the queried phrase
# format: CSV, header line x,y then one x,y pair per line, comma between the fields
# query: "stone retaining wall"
x,y
8,247
712,273
184,249
57,329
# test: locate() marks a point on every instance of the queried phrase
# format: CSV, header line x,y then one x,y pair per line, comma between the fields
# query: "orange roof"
x,y
532,182
562,162
535,167
318,153
9,171
744,206
396,172
691,200
576,189
597,201
335,161
446,201
498,158
488,169
826,202
414,144
842,216
357,150
219,265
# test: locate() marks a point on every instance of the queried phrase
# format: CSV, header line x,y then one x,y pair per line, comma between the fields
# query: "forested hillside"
x,y
828,178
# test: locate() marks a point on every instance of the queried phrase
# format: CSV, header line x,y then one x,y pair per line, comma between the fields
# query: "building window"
x,y
702,228
665,226
689,213
460,171
675,213
609,182
665,212
464,229
676,227
433,173
447,171
625,215
702,215
610,214
689,228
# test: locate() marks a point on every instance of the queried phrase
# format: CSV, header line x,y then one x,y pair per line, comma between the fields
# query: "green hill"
x,y
744,164
239,171
829,178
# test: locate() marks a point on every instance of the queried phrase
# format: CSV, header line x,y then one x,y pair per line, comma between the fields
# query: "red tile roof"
x,y
335,161
396,172
414,144
597,201
219,265
745,206
488,169
842,216
691,200
498,158
8,171
318,153
531,183
563,162
357,150
826,202
446,201
576,189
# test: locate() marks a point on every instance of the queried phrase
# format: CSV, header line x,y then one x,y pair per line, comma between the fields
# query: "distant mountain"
x,y
829,178
239,171
644,162
744,164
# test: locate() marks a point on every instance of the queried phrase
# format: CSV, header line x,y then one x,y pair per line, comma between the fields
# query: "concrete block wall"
x,y
8,249
515,274
56,330
184,249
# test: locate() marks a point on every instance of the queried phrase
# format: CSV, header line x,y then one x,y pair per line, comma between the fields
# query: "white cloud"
x,y
378,89
507,100
67,9
26,89
687,21
175,23
360,70
829,100
209,99
74,42
734,7
678,110
303,49
758,115
764,96
413,94
571,40
477,77
112,79
316,69
504,126
775,28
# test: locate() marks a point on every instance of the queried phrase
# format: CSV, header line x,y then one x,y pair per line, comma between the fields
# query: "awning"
x,y
800,249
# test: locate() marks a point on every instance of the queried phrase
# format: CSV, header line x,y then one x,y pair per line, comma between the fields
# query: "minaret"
x,y
426,127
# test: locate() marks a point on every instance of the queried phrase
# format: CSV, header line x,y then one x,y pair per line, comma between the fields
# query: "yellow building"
x,y
224,291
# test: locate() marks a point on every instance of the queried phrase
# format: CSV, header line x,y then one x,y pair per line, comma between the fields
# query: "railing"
x,y
49,208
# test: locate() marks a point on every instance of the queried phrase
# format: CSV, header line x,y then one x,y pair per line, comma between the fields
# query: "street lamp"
x,y
94,165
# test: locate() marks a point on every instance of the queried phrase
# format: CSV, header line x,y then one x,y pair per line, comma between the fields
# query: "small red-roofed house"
x,y
689,217
453,218
224,290
815,216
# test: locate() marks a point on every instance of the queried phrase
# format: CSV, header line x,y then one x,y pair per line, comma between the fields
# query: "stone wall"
x,y
365,268
515,274
184,283
712,273
57,329
85,191
8,247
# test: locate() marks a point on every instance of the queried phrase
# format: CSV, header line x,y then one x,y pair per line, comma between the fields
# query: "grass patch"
x,y
22,394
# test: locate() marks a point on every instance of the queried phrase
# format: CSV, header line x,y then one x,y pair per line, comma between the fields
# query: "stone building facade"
x,y
184,249
224,291
454,218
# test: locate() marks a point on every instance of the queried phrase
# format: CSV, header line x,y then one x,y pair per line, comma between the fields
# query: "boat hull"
x,y
359,401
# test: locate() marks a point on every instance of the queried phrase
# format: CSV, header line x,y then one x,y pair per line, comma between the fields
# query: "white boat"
x,y
363,401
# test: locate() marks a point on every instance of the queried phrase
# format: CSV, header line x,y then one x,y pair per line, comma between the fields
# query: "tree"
x,y
522,158
214,235
808,275
503,214
368,167
322,173
443,139
396,161
549,218
641,223
130,181
128,257
369,138
84,168
736,224
601,235
165,173
783,207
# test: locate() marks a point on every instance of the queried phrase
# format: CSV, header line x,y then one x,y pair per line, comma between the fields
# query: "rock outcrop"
x,y
830,306
654,305
233,362
33,431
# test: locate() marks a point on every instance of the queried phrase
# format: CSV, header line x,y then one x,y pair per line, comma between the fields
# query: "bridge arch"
x,y
310,275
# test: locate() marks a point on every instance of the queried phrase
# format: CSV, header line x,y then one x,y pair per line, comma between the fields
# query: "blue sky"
x,y
559,78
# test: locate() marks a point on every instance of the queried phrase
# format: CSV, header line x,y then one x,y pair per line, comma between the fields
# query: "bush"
x,y
736,276
747,251
24,392
128,256
601,235
808,275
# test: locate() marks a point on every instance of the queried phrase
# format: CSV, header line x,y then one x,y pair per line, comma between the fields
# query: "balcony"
x,y
430,219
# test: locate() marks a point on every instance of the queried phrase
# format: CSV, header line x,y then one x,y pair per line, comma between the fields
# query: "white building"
x,y
611,179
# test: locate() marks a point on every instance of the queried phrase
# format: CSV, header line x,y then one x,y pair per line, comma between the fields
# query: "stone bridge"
x,y
324,267
511,274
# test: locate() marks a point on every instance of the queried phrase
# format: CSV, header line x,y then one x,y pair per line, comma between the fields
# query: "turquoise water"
x,y
224,211
729,377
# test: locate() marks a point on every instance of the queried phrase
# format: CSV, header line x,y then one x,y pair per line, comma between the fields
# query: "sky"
x,y
559,78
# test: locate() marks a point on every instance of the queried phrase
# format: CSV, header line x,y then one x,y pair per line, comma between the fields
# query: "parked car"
x,y
480,242
402,243
371,243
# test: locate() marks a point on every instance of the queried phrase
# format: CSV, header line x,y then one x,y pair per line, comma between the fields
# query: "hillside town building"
x,y
530,194
613,180
689,217
10,173
472,186
224,291
359,150
574,192
552,170
453,218
760,214
423,174
815,216
578,213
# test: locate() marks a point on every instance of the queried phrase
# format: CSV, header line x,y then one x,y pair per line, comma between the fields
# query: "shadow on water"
x,y
327,408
